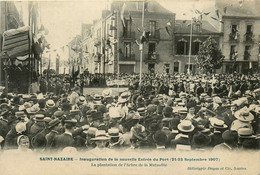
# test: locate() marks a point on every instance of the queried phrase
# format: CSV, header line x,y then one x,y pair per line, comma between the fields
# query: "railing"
x,y
128,35
234,37
127,58
151,56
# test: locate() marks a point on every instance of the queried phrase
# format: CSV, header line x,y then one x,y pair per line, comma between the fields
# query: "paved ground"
x,y
91,91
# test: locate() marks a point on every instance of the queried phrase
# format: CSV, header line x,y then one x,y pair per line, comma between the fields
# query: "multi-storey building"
x,y
115,40
240,23
200,32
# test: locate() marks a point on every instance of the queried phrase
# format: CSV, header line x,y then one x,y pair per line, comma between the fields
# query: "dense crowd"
x,y
174,112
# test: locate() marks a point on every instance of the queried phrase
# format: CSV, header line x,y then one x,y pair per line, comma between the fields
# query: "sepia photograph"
x,y
130,87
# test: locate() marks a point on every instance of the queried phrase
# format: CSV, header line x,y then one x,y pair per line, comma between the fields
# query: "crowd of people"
x,y
171,112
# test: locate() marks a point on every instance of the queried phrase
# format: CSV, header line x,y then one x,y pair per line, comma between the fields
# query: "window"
x,y
127,49
233,52
151,48
152,25
182,47
234,29
247,53
249,29
197,27
176,67
195,47
151,68
128,27
167,68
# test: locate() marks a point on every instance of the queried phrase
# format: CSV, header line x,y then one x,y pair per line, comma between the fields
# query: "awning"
x,y
16,42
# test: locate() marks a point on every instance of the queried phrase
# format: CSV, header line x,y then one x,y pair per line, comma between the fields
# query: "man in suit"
x,y
55,127
66,139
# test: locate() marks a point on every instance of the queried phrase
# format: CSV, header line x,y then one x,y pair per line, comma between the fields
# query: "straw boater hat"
x,y
107,93
185,126
39,117
244,115
50,103
216,123
82,99
245,133
100,135
20,114
54,122
113,133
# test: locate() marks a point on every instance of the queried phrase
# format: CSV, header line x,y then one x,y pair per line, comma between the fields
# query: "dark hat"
x,y
96,116
66,107
160,138
102,109
200,140
229,135
54,122
42,103
167,110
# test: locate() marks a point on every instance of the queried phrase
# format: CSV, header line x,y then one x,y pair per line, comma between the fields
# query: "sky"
x,y
63,19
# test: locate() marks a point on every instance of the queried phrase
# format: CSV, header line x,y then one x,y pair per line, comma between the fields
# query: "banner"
x,y
16,42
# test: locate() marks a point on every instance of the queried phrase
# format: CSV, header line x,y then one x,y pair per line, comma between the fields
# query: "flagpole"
x,y
141,49
190,44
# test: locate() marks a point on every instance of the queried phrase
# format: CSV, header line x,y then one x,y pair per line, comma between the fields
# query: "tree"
x,y
209,57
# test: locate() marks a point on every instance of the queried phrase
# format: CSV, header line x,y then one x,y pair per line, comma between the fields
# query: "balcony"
x,y
127,58
234,37
128,35
151,57
155,35
249,37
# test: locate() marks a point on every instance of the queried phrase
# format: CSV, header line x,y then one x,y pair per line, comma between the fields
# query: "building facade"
x,y
116,41
183,40
239,24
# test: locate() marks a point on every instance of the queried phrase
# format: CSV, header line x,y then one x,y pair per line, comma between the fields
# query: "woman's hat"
x,y
244,115
100,135
186,126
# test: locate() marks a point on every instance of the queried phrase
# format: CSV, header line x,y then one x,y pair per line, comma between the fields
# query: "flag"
x,y
167,30
225,10
122,15
217,13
